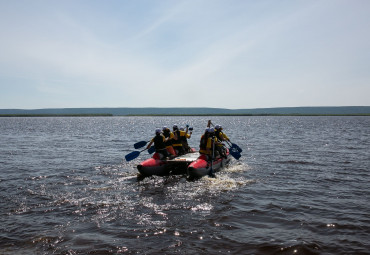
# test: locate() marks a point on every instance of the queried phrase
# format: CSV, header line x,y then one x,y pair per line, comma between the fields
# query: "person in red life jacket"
x,y
169,139
221,136
179,137
159,144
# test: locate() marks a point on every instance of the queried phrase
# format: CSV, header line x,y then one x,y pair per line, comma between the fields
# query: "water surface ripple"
x,y
301,187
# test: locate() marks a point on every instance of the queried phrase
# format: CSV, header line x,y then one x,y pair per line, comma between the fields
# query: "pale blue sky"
x,y
202,53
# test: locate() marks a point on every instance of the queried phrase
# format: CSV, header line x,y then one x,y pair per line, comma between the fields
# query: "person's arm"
x,y
224,136
150,144
173,136
191,131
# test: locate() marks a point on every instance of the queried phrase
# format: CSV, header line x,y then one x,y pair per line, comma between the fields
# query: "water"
x,y
301,187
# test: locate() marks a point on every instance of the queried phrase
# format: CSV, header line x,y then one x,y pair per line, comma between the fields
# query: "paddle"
x,y
151,150
140,144
211,172
235,153
233,145
133,155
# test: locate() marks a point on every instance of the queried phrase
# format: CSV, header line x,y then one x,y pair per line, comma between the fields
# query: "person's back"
x,y
169,140
207,142
203,143
159,143
177,140
185,137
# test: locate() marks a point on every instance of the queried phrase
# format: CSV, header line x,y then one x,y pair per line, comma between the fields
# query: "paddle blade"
x,y
132,155
234,152
140,144
151,150
236,147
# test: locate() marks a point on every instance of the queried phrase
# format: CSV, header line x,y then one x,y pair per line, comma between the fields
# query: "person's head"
x,y
218,127
175,127
158,131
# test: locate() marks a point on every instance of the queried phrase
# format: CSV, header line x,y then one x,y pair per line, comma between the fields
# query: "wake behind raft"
x,y
193,164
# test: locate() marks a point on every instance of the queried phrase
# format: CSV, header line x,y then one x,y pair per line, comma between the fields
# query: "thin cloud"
x,y
205,49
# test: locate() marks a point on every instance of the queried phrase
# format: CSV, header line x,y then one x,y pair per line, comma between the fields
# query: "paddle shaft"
x,y
211,173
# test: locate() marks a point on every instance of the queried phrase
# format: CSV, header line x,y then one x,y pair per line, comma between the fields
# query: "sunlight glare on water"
x,y
300,187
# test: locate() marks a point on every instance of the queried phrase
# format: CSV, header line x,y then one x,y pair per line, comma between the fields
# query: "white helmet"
x,y
175,127
158,131
218,127
164,128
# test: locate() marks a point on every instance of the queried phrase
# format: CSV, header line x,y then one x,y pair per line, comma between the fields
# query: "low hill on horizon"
x,y
125,111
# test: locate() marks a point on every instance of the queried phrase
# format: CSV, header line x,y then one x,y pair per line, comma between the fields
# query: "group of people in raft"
x,y
170,144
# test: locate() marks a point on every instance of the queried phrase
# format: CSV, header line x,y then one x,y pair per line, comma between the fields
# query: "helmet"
x,y
218,127
175,127
211,130
164,128
182,129
158,131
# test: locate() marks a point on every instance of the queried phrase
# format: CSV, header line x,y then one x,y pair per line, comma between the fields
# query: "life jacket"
x,y
180,137
167,134
184,141
159,143
219,135
203,143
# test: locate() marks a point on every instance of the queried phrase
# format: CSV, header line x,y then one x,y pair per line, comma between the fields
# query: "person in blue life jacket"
x,y
159,144
169,141
221,136
179,137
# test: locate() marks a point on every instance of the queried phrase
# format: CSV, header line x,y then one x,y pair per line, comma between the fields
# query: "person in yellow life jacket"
x,y
159,143
206,143
221,136
169,139
177,142
184,139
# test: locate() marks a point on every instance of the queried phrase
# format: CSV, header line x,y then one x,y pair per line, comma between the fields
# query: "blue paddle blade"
x,y
234,152
132,155
236,147
140,144
151,150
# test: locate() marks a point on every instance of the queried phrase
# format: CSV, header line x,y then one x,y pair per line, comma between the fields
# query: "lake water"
x,y
302,186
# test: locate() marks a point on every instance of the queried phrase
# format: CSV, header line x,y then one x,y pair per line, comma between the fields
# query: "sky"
x,y
235,54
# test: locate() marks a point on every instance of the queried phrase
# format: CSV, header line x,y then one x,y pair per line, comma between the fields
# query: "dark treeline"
x,y
191,111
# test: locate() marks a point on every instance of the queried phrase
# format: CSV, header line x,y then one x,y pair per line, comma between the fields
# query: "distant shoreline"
x,y
56,115
173,115
188,111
